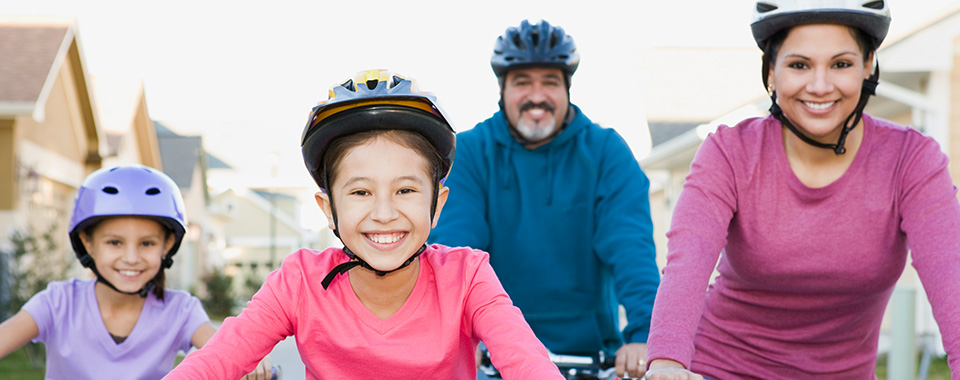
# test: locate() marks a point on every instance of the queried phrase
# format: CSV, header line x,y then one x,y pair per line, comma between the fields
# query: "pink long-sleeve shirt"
x,y
804,273
456,301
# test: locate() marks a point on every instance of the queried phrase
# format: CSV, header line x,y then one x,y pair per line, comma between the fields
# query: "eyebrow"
x,y
808,58
528,76
398,179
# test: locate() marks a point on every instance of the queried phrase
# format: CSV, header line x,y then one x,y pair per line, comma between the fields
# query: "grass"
x,y
939,369
16,366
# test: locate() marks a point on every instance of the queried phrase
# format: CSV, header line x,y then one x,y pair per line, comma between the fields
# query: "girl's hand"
x,y
663,369
263,371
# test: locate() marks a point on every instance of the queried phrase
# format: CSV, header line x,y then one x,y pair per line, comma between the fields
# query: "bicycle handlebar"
x,y
598,367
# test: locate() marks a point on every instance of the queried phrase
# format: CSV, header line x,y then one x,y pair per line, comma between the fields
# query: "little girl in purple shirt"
x,y
127,224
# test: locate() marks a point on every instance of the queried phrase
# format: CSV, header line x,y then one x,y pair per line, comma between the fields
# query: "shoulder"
x,y
310,263
909,146
454,259
67,290
179,299
481,131
745,138
59,298
746,131
888,132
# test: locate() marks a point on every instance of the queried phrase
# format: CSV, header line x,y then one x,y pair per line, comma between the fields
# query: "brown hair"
x,y
775,42
339,148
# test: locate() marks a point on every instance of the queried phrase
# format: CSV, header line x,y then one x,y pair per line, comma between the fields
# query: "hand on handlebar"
x,y
669,370
632,360
263,371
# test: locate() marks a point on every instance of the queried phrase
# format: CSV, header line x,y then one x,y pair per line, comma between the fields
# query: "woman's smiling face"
x,y
818,76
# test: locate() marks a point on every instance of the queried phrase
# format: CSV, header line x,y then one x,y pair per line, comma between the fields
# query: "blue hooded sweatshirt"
x,y
567,226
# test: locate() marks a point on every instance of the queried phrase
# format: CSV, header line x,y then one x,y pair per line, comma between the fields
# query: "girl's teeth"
x,y
387,239
819,106
129,273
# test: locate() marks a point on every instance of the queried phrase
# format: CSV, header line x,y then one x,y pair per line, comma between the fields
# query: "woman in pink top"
x,y
811,211
385,306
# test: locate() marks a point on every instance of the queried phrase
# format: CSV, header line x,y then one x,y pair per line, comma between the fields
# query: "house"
x,y
50,134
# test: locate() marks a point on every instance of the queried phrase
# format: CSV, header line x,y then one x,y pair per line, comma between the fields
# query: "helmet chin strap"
x,y
87,261
355,260
869,88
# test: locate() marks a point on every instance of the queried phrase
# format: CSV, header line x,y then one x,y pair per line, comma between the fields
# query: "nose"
x,y
131,254
820,83
384,209
538,93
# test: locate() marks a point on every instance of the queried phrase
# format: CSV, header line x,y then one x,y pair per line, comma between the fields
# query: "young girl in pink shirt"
x,y
386,305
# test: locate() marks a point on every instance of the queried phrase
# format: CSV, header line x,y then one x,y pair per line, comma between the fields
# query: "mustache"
x,y
543,105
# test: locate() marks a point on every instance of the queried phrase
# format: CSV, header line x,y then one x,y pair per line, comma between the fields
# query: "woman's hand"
x,y
632,360
263,371
663,369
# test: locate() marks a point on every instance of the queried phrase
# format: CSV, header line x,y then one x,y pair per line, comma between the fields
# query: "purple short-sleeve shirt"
x,y
79,347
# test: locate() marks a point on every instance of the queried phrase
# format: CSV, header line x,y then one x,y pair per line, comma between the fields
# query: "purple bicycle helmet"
x,y
129,190
534,45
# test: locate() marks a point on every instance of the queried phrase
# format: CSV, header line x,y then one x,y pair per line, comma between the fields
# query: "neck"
x,y
818,167
109,299
384,295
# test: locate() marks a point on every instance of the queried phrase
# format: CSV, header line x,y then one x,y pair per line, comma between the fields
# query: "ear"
x,y
87,243
869,66
167,245
771,84
323,200
442,194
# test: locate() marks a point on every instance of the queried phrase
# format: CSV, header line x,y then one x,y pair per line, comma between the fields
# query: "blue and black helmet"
x,y
534,45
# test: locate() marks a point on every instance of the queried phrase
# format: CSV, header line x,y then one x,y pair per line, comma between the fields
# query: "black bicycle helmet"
x,y
534,45
374,100
870,16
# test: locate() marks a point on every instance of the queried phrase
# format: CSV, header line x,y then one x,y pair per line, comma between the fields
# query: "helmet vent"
x,y
517,41
153,191
348,85
764,7
396,80
874,5
110,190
553,40
535,37
372,84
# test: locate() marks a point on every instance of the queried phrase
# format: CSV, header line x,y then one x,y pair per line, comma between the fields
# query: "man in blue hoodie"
x,y
559,202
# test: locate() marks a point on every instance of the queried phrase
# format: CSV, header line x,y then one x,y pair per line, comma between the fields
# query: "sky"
x,y
245,74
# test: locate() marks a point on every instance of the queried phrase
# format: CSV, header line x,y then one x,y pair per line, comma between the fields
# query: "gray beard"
x,y
535,133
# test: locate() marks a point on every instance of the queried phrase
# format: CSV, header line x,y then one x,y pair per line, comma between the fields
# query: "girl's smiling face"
x,y
383,192
818,75
127,250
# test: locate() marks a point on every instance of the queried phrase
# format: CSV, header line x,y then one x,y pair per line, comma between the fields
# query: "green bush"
x,y
219,299
33,263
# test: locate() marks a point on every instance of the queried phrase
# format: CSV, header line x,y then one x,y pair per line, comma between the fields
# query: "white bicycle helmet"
x,y
772,16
